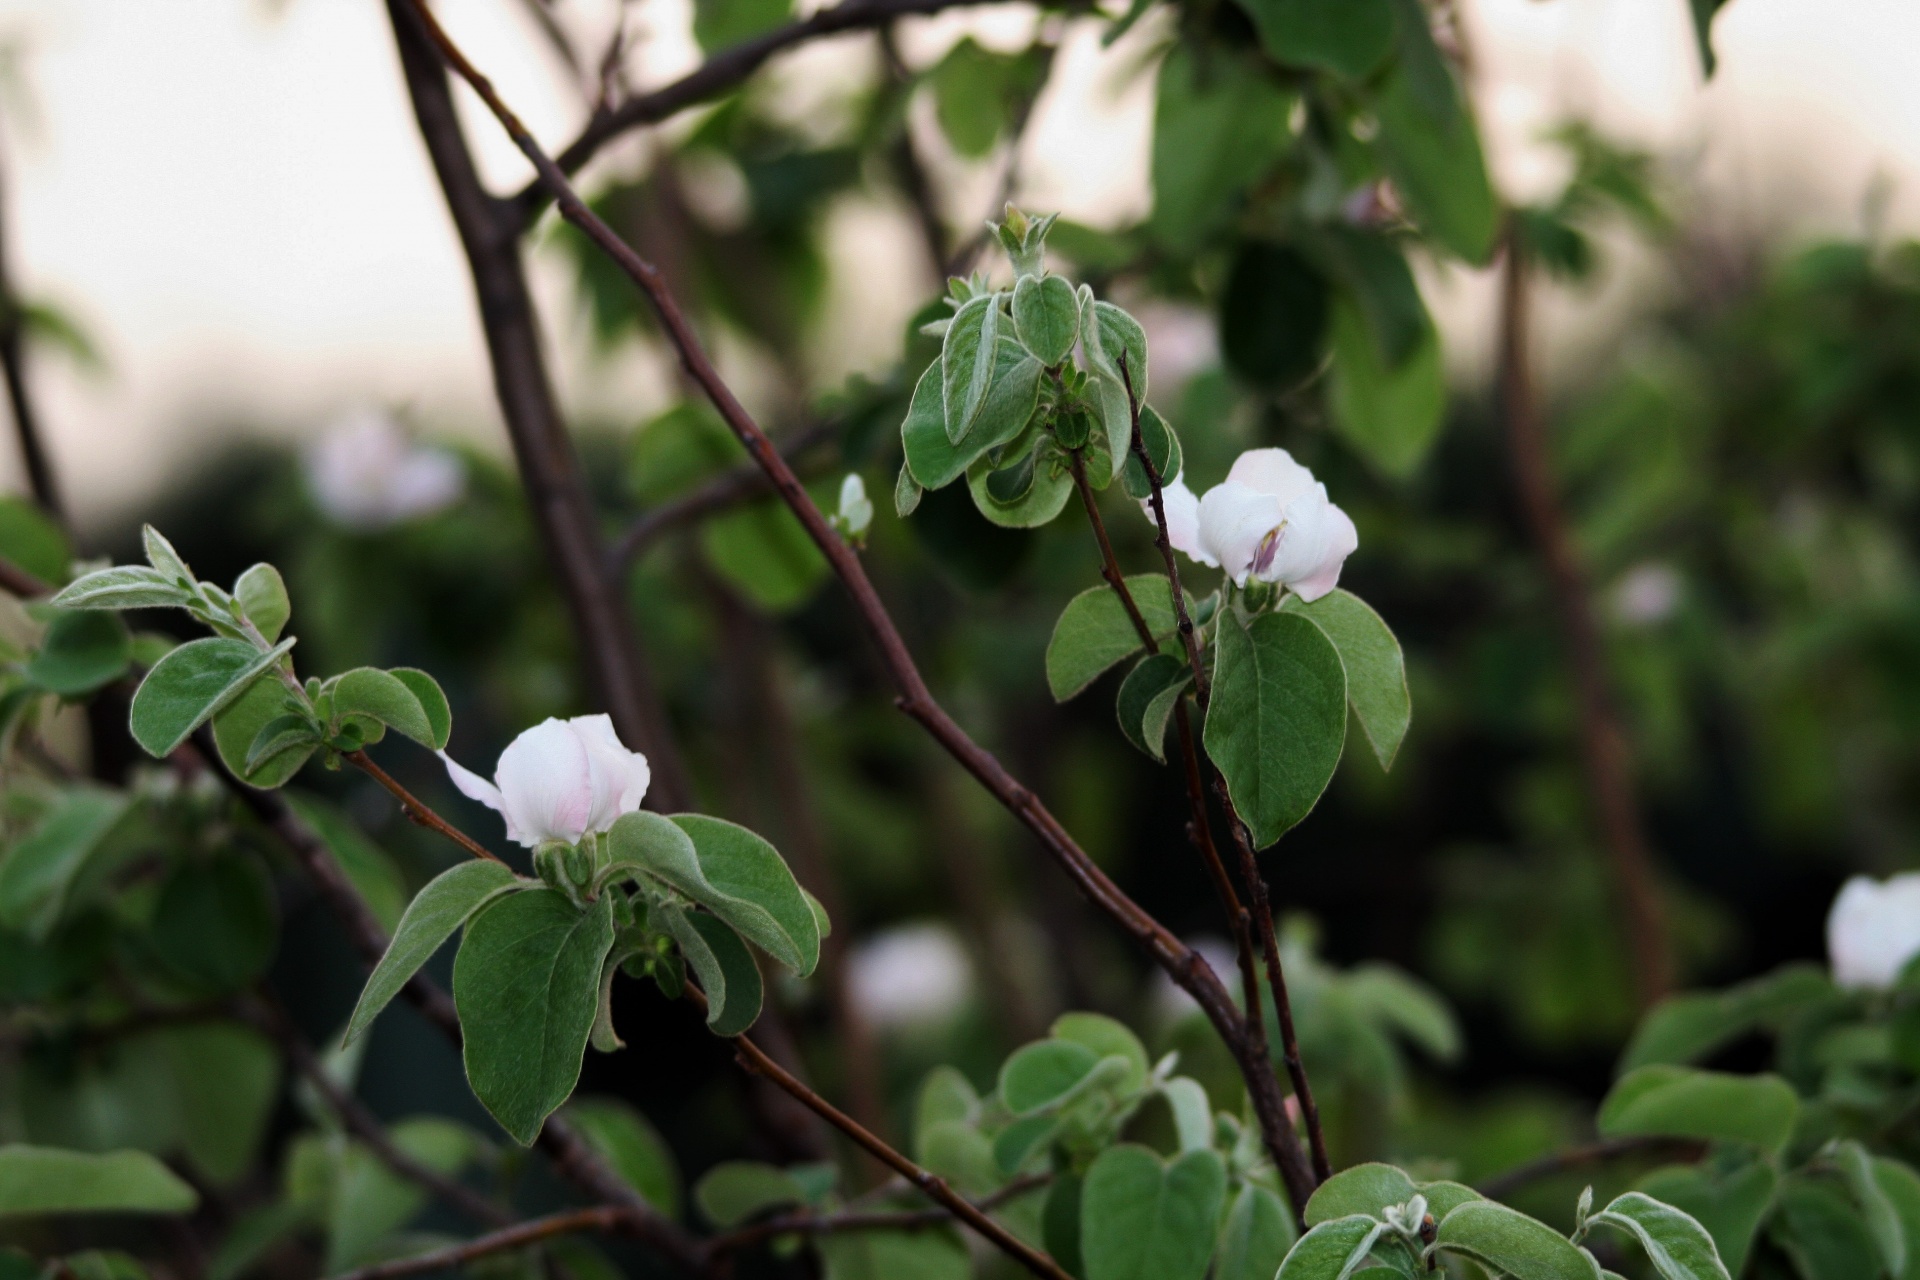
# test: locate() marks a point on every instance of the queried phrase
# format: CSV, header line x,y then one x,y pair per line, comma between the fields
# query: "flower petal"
x,y
1873,930
620,776
1340,541
1234,520
1271,471
547,783
1183,520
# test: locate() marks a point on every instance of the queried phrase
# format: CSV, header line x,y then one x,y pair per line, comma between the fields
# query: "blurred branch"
x,y
604,1217
556,492
21,583
724,492
1604,754
13,360
354,1117
1505,1184
1185,966
962,260
718,74
823,1224
911,174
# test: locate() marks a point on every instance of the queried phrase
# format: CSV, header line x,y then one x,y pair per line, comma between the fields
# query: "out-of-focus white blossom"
x,y
1269,520
1648,594
1181,341
1873,929
913,973
856,509
560,780
365,473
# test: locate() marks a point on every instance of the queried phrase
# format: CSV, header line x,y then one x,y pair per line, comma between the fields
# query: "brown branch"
x,y
361,1123
417,811
606,1217
912,176
724,492
13,361
718,74
22,583
962,260
1185,966
1605,756
824,1224
557,496
1243,841
1505,1184
932,1186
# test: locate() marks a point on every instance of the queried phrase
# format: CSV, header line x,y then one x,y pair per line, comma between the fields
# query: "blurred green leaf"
x,y
43,1180
1146,1220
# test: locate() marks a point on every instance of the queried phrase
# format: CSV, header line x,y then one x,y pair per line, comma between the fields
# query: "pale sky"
x,y
230,196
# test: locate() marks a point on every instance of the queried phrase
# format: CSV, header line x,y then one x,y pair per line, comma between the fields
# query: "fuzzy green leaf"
x,y
262,596
1376,669
445,903
721,963
1678,1247
1510,1243
1332,1250
1256,1237
1711,1105
1145,1220
934,460
1094,632
192,683
382,696
1147,697
1046,317
81,652
123,587
46,1180
1364,1188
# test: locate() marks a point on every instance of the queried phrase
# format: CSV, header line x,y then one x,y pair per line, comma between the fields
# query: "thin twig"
x,y
912,176
360,1122
1184,965
605,1217
1242,839
823,1224
1604,754
935,1188
963,258
21,583
724,492
1501,1185
416,810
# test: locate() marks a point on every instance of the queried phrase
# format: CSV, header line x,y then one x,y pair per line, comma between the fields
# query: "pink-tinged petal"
x,y
1341,540
620,776
1234,521
547,783
474,787
1271,471
1183,520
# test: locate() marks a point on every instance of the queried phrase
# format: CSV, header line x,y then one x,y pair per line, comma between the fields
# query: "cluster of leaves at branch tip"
x,y
616,889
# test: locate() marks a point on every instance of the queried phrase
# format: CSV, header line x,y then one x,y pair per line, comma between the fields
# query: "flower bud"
x,y
561,780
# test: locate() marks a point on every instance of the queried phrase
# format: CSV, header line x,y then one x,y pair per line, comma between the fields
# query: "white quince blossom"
x,y
1873,929
910,974
560,780
856,509
1269,520
365,473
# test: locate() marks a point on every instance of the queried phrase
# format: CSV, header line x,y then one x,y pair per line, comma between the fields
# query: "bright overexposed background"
x,y
230,197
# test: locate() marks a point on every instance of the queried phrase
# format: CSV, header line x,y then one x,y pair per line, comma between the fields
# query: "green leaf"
x,y
936,1254
1273,315
262,596
1684,1028
1901,1187
1391,415
974,91
1703,15
967,363
731,872
632,1148
1219,124
1147,698
720,24
961,1155
1391,999
1144,1220
1060,1222
1093,631
946,1097
216,924
1046,317
1711,1105
735,1190
1043,499
226,1079
1107,334
1376,670
237,727
1277,719
32,541
723,966
81,651
368,1201
906,493
1350,38
1255,1240
445,903
1371,268
1192,1113
1108,1038
1365,1188
45,1180
192,683
279,736
1678,1247
1017,1143
1876,1209
1428,144
1332,1250
936,461
427,692
1821,1233
763,550
1510,1243
53,864
1045,1073
383,696
123,587
1728,1201
1162,446
526,983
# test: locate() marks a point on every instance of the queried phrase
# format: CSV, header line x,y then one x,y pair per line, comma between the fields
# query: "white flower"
x,y
365,473
1269,520
560,780
913,973
1649,593
856,509
1873,930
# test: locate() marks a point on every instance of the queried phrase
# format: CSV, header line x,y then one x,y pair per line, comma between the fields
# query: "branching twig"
x,y
1604,754
823,1224
1185,966
606,1217
418,812
1501,1185
730,489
